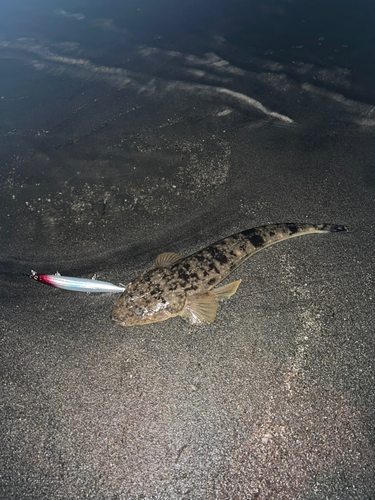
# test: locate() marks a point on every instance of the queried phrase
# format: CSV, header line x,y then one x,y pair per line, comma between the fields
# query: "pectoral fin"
x,y
167,259
200,308
226,290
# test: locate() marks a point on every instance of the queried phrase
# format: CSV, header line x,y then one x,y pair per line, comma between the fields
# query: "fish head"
x,y
145,301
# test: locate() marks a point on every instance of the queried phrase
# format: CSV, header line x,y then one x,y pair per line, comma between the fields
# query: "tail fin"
x,y
335,229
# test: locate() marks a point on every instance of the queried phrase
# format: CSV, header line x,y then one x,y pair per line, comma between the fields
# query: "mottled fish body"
x,y
183,286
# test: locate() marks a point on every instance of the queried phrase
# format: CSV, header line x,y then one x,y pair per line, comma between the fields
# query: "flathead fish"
x,y
184,286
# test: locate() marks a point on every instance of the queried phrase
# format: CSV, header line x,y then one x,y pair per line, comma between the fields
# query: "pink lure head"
x,y
42,278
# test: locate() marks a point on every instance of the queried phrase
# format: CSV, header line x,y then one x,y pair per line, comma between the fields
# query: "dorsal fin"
x,y
167,259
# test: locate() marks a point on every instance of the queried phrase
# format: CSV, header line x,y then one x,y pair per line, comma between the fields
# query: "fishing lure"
x,y
75,284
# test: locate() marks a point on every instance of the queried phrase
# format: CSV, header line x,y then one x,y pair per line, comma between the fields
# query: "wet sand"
x,y
106,169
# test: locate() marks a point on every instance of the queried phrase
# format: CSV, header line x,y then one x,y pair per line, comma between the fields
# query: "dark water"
x,y
88,91
128,128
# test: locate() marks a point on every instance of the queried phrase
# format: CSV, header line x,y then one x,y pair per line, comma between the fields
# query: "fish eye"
x,y
139,311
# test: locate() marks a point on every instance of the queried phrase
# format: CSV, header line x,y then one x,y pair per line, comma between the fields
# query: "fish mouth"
x,y
116,321
128,320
